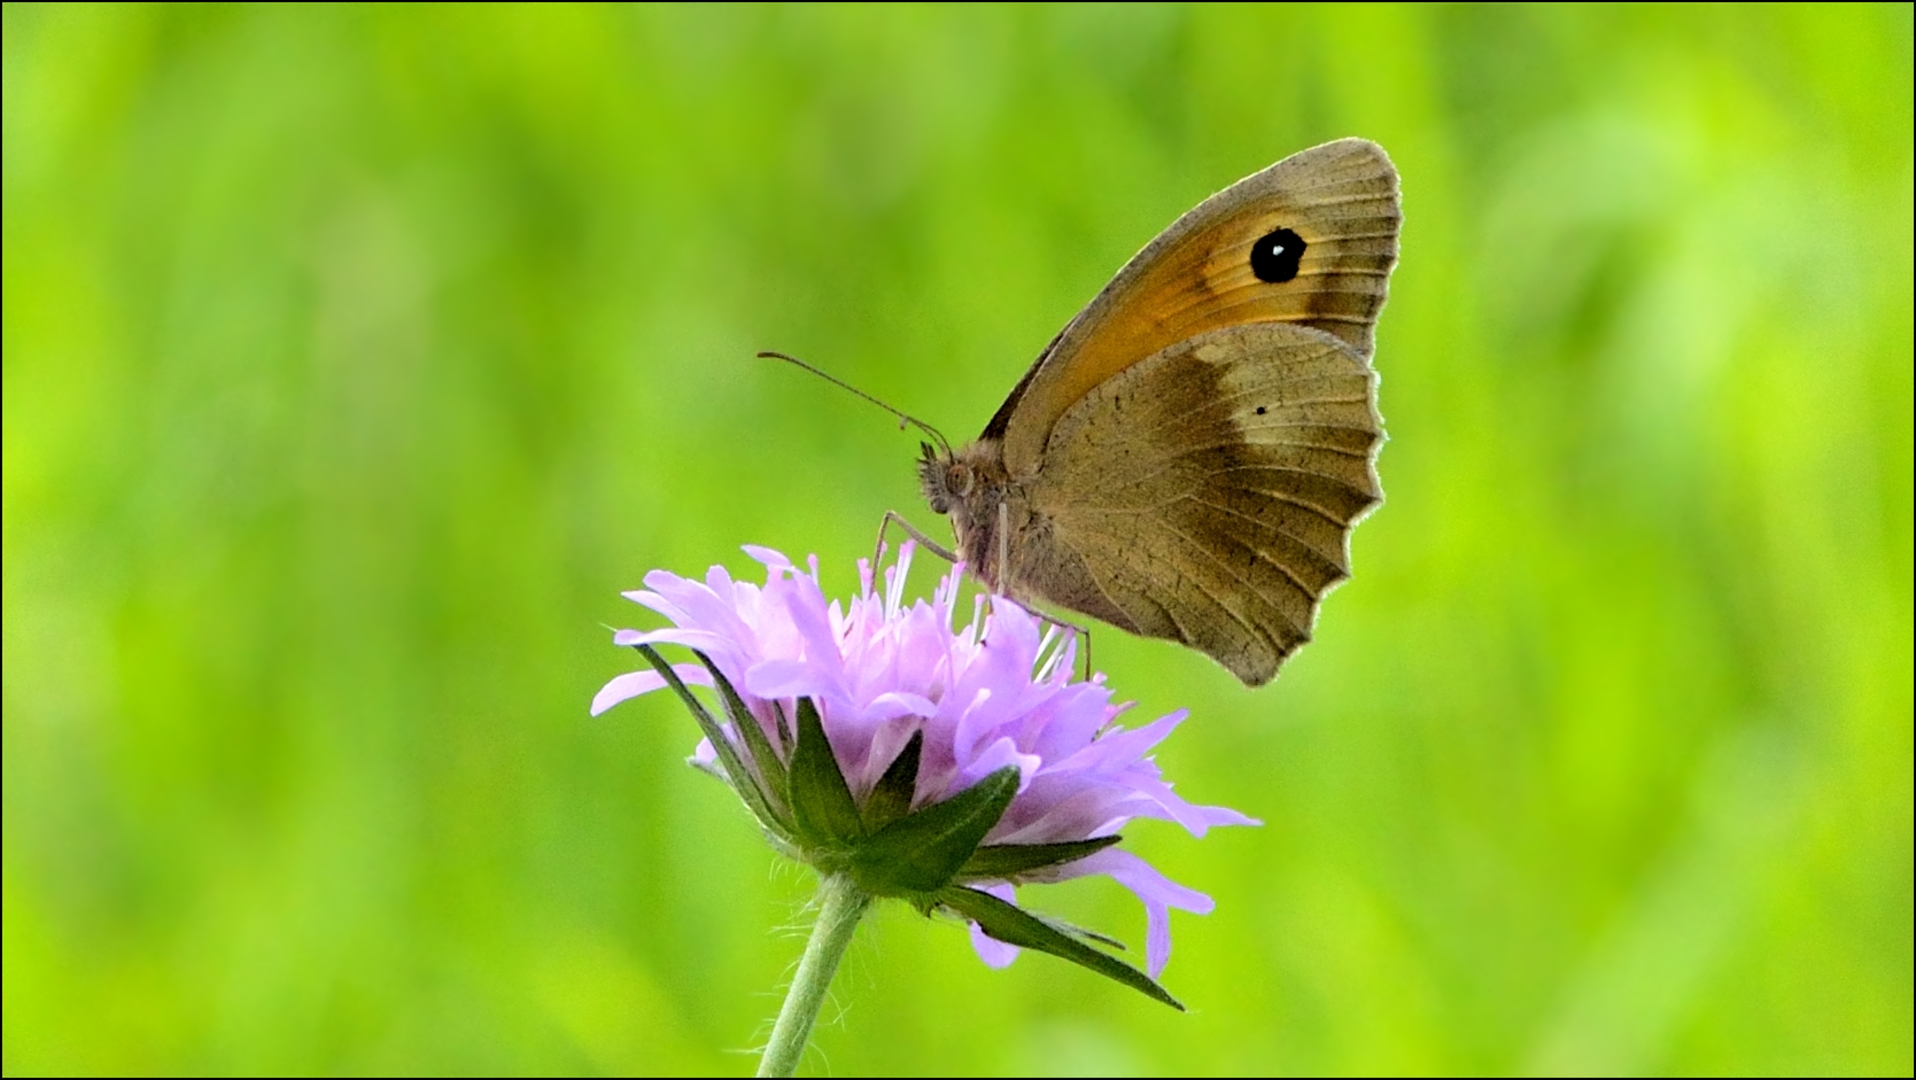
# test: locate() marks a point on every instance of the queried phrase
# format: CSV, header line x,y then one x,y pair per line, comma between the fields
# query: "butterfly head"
x,y
947,482
971,488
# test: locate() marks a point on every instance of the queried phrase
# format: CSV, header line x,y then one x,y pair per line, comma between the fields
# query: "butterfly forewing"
x,y
1332,211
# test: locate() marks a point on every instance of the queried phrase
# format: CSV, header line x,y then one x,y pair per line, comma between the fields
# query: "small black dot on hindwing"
x,y
1275,256
1260,410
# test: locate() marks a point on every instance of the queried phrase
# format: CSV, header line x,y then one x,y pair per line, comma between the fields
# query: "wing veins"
x,y
1190,450
1233,416
1288,469
1280,567
1253,296
1250,395
1256,630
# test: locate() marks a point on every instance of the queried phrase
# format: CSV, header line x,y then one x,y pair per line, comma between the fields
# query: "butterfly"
x,y
1187,458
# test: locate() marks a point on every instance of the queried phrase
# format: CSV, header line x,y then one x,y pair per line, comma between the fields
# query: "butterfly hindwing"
x,y
1208,492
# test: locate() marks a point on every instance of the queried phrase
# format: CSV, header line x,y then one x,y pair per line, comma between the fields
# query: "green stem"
x,y
840,905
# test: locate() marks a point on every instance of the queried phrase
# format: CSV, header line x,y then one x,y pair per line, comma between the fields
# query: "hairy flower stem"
x,y
840,905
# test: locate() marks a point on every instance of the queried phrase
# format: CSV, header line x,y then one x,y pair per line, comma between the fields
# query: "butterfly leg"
x,y
926,542
1084,639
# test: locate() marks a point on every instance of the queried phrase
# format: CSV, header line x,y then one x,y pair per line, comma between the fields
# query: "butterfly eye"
x,y
1275,256
958,480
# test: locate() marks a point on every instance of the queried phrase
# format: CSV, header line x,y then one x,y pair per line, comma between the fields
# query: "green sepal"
x,y
891,798
1002,862
923,852
823,812
770,768
1074,930
1014,926
785,733
736,773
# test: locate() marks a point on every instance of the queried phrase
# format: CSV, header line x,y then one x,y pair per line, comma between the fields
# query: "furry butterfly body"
x,y
1187,458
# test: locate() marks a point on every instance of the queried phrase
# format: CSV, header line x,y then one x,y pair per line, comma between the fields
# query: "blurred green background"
x,y
355,359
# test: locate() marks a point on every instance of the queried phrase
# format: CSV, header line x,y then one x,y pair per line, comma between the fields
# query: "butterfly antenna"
x,y
903,418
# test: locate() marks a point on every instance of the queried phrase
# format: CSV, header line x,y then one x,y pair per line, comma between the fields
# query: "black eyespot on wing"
x,y
1260,410
1275,256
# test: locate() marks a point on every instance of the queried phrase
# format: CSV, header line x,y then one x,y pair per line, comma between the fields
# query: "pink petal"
x,y
629,685
1158,893
996,756
633,683
783,679
692,639
767,557
893,705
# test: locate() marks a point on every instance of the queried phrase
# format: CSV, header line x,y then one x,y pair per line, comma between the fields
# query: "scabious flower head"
x,y
925,719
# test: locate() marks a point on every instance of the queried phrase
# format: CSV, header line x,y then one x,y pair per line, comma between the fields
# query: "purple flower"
x,y
890,681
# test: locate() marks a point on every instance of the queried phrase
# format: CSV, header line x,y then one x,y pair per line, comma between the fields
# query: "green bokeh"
x,y
355,359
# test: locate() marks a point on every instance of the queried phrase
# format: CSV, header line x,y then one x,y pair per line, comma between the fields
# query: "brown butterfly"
x,y
1187,458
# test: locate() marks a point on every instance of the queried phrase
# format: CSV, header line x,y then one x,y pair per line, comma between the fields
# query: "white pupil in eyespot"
x,y
1277,249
